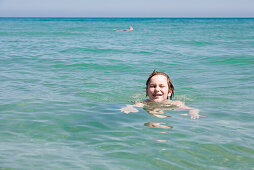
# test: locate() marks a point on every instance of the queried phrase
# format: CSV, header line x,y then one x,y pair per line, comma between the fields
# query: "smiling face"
x,y
157,89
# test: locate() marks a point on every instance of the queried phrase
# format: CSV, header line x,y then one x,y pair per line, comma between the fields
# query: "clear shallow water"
x,y
61,81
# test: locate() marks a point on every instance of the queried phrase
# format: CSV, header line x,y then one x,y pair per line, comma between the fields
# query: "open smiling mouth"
x,y
157,95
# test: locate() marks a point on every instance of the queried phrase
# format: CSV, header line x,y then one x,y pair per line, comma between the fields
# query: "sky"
x,y
127,8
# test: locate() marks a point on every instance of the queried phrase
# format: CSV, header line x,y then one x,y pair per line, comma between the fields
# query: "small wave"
x,y
137,97
93,50
183,98
236,61
196,43
93,66
143,52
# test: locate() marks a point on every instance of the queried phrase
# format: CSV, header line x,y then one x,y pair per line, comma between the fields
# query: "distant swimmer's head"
x,y
159,87
131,28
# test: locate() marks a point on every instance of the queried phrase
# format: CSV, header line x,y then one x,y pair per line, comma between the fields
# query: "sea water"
x,y
62,81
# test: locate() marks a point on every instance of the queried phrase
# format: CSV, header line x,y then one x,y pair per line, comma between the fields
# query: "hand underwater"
x,y
128,109
194,114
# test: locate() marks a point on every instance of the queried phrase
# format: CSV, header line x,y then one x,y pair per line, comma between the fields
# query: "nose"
x,y
157,88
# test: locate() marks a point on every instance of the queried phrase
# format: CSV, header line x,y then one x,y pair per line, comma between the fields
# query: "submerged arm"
x,y
131,108
193,112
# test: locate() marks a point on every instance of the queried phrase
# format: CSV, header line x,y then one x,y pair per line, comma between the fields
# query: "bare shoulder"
x,y
175,103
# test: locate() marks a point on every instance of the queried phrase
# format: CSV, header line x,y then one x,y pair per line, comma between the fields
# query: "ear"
x,y
170,91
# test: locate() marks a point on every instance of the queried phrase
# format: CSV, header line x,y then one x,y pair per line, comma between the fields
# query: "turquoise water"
x,y
63,79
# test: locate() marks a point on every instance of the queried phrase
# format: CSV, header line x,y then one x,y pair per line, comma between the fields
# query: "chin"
x,y
158,100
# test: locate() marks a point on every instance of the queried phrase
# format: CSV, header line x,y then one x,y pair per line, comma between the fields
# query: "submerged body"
x,y
159,88
126,30
157,109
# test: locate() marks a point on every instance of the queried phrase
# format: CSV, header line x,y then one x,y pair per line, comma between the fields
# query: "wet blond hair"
x,y
170,85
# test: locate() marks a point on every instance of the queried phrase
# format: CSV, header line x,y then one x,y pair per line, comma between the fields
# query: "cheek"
x,y
149,91
167,91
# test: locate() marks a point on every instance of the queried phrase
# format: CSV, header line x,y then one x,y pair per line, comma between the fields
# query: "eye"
x,y
152,86
162,86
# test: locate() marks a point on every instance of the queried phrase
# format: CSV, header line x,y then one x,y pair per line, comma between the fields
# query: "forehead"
x,y
158,79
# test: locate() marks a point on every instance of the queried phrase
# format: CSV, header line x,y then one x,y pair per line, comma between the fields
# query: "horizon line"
x,y
119,17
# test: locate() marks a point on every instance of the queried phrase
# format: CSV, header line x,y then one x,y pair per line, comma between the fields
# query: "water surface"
x,y
63,79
